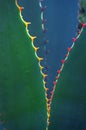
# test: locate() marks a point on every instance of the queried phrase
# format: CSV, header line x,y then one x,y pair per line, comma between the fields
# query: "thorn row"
x,y
36,49
59,71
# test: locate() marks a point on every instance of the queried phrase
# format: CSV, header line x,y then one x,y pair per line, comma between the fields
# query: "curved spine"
x,y
45,42
49,101
35,49
63,62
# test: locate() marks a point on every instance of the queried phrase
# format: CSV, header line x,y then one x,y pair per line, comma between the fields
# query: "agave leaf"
x,y
22,100
69,102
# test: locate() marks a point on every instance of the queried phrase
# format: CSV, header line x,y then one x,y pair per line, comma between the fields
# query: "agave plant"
x,y
42,70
